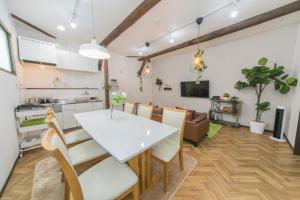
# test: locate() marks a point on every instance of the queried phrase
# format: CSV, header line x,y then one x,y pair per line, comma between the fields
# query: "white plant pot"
x,y
226,98
257,127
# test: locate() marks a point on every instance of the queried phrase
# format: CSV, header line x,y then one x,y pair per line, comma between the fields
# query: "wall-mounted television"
x,y
195,89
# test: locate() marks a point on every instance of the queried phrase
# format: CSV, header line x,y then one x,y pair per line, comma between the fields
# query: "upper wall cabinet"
x,y
73,61
36,51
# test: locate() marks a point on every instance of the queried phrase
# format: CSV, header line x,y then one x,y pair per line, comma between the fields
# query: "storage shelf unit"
x,y
216,110
25,143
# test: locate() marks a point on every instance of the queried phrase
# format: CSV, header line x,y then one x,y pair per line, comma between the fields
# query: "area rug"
x,y
47,176
213,130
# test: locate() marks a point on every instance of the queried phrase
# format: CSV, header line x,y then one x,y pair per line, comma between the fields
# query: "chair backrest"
x,y
145,111
129,107
176,118
52,122
52,142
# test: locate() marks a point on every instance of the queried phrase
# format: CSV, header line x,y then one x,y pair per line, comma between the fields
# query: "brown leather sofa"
x,y
196,125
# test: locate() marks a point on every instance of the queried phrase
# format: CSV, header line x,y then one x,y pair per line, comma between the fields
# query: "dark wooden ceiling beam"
x,y
253,21
141,68
134,16
32,26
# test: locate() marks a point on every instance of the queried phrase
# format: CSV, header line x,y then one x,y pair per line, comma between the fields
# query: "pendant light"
x,y
93,49
198,63
147,72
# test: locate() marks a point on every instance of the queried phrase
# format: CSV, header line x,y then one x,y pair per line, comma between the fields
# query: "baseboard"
x,y
6,182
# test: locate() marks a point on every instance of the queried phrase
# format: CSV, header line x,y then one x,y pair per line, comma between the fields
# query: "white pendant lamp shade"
x,y
94,50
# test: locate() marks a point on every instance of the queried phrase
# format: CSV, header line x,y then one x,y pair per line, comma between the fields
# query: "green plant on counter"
x,y
106,87
226,95
259,77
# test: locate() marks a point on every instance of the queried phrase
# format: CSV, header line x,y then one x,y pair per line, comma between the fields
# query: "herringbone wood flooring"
x,y
234,165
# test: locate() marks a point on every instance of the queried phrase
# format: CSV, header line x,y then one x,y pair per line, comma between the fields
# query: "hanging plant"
x,y
199,64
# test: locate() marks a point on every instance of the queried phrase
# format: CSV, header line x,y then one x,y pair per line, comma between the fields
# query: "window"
x,y
6,59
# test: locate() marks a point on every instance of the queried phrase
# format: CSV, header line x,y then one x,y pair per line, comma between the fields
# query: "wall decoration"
x,y
167,87
159,83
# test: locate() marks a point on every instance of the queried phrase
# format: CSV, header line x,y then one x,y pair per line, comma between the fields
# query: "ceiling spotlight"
x,y
234,14
140,53
171,40
73,25
61,27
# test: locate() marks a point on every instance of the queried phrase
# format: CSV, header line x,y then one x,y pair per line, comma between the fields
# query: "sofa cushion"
x,y
190,114
157,110
200,118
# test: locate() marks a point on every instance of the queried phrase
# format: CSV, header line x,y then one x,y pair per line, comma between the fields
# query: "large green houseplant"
x,y
258,78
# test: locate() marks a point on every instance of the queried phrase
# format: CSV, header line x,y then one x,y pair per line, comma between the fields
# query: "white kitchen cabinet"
x,y
84,107
59,117
97,105
81,63
32,50
63,59
69,120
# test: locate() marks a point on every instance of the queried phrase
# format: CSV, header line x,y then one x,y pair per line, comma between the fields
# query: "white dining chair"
x,y
166,150
83,154
145,110
129,107
72,137
106,180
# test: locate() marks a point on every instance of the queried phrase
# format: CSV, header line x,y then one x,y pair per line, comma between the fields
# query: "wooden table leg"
x,y
149,168
143,172
134,165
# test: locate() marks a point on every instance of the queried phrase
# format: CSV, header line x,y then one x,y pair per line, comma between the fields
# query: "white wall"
x,y
225,62
295,95
8,101
33,76
125,70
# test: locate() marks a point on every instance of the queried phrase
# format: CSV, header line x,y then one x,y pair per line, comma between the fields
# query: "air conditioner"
x,y
36,51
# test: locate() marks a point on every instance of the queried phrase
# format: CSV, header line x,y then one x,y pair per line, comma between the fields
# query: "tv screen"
x,y
193,89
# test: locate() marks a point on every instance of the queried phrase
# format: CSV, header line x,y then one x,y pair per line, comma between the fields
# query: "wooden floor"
x,y
234,165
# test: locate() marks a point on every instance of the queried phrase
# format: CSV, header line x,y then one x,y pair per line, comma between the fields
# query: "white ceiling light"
x,y
140,53
93,49
234,13
61,27
171,40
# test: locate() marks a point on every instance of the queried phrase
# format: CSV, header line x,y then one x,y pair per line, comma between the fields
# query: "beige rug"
x,y
47,176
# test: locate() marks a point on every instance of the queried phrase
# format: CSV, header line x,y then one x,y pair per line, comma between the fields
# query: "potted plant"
x,y
226,96
258,78
234,104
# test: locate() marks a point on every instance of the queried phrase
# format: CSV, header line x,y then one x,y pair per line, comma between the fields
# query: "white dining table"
x,y
125,135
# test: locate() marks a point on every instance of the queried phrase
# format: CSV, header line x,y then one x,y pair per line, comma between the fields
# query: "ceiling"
x,y
159,21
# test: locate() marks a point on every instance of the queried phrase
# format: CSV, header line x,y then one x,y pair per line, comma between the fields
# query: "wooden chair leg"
x,y
67,191
166,176
135,192
181,159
